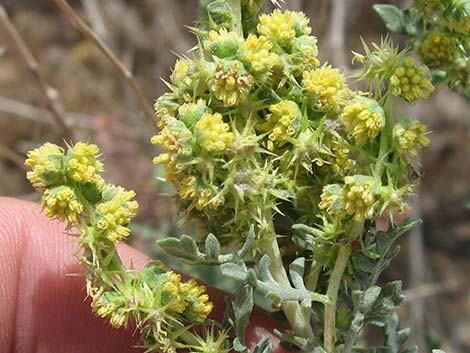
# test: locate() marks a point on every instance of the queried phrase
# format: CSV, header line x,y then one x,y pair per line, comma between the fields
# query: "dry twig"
x,y
91,36
8,153
50,94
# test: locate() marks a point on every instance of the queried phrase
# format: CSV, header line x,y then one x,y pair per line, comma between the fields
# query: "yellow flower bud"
x,y
231,83
438,48
327,86
61,202
283,26
82,163
411,80
46,163
257,55
115,212
213,134
363,118
409,136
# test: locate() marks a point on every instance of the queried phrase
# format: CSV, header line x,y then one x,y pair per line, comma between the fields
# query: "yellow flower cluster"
x,y
460,26
281,27
438,47
61,202
181,76
332,200
363,118
305,53
223,44
172,139
188,298
199,305
411,81
256,54
165,109
213,134
106,305
115,212
82,164
410,136
360,196
46,163
327,86
428,5
283,122
231,83
190,113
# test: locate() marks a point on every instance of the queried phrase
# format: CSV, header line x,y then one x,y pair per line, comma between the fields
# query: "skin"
x,y
43,307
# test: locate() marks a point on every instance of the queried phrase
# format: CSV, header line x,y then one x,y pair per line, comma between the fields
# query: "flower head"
x,y
82,163
213,134
115,211
61,202
190,113
411,80
332,200
257,55
175,139
47,164
360,195
363,118
327,86
232,83
304,53
409,136
283,122
181,76
438,48
199,305
282,27
223,44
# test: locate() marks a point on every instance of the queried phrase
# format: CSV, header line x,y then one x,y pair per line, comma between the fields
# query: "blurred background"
x,y
98,105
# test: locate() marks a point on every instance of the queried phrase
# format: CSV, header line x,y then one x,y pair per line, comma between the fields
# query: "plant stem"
x,y
385,136
291,309
237,16
332,293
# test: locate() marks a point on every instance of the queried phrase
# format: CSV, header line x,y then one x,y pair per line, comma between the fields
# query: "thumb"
x,y
43,307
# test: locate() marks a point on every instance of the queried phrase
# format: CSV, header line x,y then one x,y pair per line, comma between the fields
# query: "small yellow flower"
x,y
82,163
429,5
360,196
438,47
460,26
284,26
115,212
181,76
199,305
213,134
363,118
46,163
231,83
165,109
257,55
190,113
223,44
173,293
327,86
411,81
304,53
410,136
61,202
332,200
283,122
174,139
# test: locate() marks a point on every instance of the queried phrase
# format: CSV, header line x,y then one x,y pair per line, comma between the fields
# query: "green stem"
x,y
237,16
332,293
385,136
295,315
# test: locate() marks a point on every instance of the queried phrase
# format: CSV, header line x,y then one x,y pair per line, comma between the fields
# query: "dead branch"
x,y
50,94
91,36
8,153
